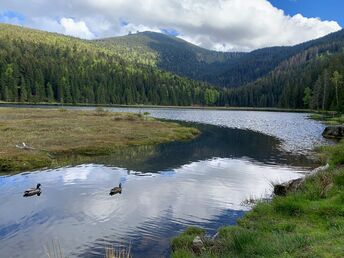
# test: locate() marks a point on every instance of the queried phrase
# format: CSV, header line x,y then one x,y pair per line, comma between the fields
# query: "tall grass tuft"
x,y
111,252
54,250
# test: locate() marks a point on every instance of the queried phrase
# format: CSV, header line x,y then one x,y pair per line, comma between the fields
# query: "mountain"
x,y
268,77
171,54
219,68
153,68
311,78
37,66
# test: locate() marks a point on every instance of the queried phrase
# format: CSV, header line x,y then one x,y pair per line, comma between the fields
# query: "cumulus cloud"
x,y
215,24
77,29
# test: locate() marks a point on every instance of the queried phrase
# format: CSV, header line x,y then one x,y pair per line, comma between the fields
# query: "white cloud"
x,y
214,24
76,29
133,28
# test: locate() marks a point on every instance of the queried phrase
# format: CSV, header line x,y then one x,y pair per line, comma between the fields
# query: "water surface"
x,y
202,182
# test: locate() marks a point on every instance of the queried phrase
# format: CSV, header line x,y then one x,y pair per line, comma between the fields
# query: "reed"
x,y
120,252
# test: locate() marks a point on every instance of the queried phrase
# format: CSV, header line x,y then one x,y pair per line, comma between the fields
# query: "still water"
x,y
202,182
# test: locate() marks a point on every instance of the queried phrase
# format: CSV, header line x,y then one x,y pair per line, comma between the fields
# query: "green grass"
x,y
330,119
61,137
305,223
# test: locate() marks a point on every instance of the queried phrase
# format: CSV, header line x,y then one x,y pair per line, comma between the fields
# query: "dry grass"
x,y
111,252
60,132
54,250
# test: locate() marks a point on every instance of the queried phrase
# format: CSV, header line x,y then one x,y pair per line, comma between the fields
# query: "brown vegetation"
x,y
53,134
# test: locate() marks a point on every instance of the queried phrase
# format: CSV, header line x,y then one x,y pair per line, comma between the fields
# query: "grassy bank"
x,y
305,223
330,119
55,136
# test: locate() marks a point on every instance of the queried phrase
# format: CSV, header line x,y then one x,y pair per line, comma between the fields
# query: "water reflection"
x,y
79,212
202,182
214,141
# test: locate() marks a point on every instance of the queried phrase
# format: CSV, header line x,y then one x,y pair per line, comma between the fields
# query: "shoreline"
x,y
59,105
306,220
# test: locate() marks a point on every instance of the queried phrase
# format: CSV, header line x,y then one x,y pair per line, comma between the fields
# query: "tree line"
x,y
71,73
44,67
316,83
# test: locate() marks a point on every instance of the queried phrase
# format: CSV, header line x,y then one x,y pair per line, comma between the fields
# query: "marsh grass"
x,y
57,135
306,223
54,250
330,119
120,252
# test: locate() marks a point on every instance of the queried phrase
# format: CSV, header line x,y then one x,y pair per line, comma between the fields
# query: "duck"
x,y
33,191
116,190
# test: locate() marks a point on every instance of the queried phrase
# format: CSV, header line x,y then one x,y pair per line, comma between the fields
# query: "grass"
x,y
305,223
57,136
54,250
111,252
330,119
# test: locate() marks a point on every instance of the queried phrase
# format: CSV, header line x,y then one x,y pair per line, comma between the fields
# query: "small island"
x,y
46,138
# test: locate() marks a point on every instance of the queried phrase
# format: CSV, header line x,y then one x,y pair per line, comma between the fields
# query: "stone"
x,y
334,132
197,245
295,184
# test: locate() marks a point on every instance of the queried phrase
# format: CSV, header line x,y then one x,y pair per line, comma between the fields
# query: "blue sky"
x,y
324,9
224,25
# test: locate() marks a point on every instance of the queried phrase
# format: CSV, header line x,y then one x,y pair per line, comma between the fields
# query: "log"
x,y
293,185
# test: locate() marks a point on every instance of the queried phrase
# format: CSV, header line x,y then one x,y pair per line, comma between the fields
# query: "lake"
x,y
203,182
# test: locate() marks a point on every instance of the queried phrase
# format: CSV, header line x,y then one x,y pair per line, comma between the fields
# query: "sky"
x,y
223,25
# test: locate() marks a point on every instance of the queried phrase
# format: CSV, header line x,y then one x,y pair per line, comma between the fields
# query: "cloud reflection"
x,y
82,212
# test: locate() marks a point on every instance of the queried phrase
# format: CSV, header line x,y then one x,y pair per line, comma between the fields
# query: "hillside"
x,y
269,77
152,68
171,54
218,68
38,66
312,78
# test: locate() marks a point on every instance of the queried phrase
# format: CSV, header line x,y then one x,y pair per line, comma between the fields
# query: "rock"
x,y
283,189
334,132
293,185
197,245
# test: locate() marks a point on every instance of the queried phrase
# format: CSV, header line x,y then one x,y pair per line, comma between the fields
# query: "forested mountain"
x,y
37,66
172,54
300,76
312,78
218,68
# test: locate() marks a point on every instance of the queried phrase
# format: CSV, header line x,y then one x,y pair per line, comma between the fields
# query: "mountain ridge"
x,y
225,69
152,68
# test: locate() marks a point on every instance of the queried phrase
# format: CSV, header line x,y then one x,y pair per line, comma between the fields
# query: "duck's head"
x,y
38,186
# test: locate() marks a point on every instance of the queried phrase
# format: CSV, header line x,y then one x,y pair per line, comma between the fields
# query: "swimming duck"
x,y
116,190
33,191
